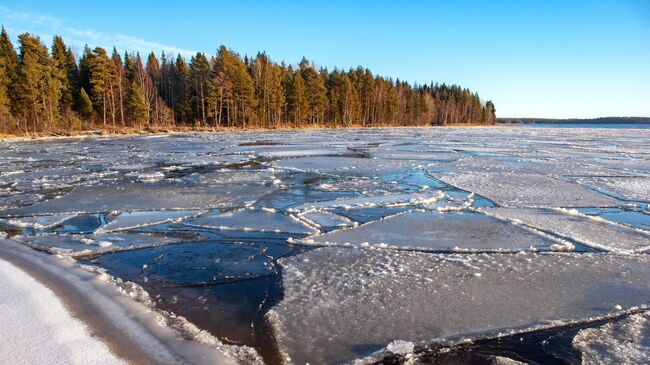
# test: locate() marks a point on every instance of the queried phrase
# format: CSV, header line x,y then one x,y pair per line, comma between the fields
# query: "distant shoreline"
x,y
182,130
601,120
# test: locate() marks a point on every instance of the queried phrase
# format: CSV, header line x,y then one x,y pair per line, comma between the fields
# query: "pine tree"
x,y
315,93
297,101
181,91
121,83
137,106
101,78
199,76
85,104
8,78
60,70
39,91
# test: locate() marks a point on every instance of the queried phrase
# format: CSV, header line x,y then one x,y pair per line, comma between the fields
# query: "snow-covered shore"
x,y
54,312
36,328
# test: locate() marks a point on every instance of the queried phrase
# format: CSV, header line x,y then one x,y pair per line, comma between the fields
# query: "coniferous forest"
x,y
56,91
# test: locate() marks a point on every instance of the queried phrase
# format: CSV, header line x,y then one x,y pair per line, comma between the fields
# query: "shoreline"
x,y
130,330
97,133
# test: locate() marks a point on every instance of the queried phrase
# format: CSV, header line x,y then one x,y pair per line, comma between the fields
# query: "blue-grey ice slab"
x,y
248,219
341,304
589,231
634,188
324,219
428,231
131,220
39,221
77,245
528,190
128,197
386,200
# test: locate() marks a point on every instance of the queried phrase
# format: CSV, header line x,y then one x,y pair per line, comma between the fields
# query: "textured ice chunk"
x,y
126,197
528,190
82,245
630,188
625,341
130,220
334,298
345,165
589,231
251,220
373,201
326,219
39,222
437,232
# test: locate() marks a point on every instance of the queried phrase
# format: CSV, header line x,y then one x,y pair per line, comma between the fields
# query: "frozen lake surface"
x,y
442,245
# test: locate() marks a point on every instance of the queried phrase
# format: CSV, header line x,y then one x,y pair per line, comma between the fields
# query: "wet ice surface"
x,y
335,298
440,235
437,232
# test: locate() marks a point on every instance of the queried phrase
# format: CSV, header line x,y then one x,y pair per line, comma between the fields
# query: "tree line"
x,y
52,90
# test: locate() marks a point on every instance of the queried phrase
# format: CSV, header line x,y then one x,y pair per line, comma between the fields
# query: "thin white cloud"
x,y
45,26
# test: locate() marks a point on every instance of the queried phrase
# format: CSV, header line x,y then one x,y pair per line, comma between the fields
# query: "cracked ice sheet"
x,y
251,220
130,220
343,304
586,230
323,219
125,197
626,341
528,190
373,201
630,188
348,166
429,231
81,245
39,222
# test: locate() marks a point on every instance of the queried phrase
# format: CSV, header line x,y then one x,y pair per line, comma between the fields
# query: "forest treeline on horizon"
x,y
52,90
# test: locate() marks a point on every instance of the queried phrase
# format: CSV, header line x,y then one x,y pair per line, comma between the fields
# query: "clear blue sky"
x,y
532,58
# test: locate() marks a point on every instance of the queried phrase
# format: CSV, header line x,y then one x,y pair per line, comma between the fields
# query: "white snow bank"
x,y
36,328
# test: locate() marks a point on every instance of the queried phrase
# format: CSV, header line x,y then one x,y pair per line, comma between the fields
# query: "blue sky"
x,y
532,58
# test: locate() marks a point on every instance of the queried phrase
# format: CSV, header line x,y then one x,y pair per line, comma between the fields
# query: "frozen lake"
x,y
447,245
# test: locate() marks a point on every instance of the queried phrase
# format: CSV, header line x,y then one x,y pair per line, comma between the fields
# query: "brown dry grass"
x,y
182,129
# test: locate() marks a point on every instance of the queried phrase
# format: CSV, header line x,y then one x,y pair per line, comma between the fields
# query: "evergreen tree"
x,y
199,76
37,88
297,101
85,104
8,78
181,91
137,106
60,70
121,82
315,94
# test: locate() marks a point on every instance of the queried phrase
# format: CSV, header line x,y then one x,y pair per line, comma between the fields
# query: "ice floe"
x,y
341,304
